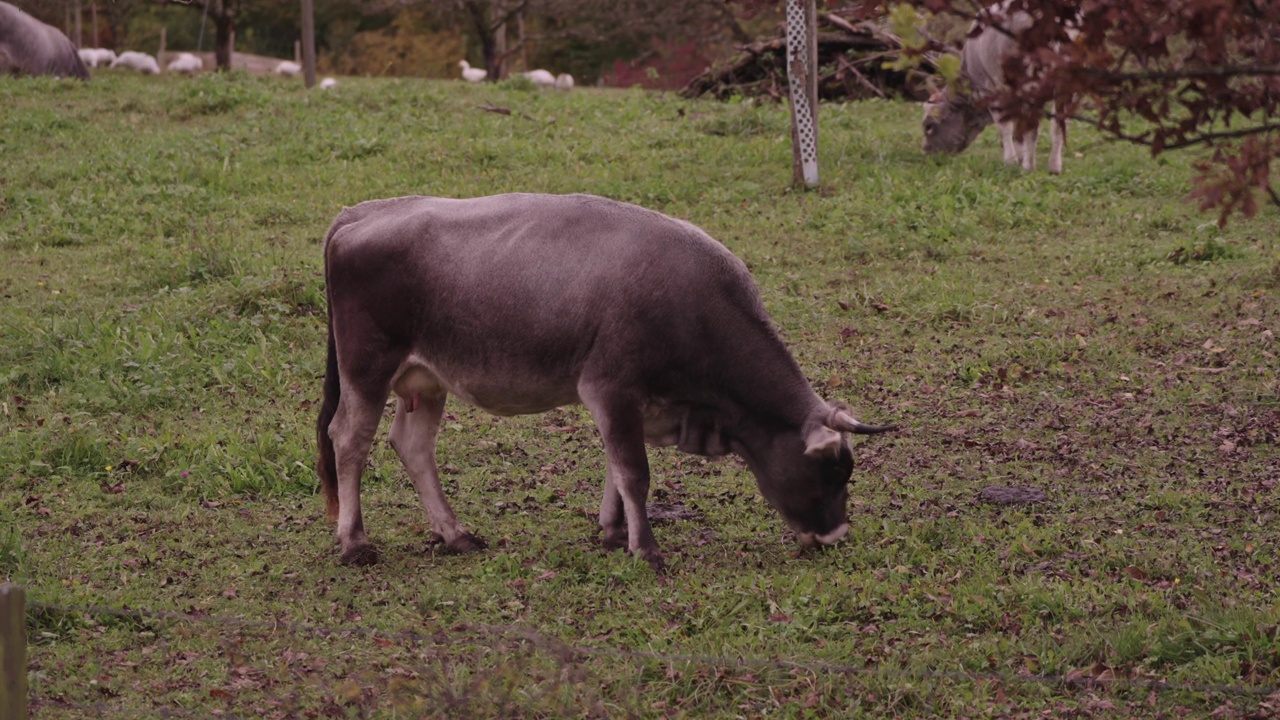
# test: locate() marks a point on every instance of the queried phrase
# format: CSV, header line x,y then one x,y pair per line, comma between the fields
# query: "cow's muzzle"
x,y
809,540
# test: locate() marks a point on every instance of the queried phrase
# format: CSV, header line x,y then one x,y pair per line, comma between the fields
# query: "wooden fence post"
x,y
13,653
308,44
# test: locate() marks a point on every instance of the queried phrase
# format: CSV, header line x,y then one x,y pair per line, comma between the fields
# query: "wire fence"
x,y
477,670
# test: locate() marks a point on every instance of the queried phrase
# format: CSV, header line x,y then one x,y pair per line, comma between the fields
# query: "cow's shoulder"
x,y
358,222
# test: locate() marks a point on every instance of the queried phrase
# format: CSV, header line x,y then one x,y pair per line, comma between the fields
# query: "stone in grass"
x,y
1002,495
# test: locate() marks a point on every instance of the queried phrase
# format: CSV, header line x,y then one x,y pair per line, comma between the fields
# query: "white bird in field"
x,y
541,78
139,61
564,81
287,67
88,56
186,63
327,83
471,74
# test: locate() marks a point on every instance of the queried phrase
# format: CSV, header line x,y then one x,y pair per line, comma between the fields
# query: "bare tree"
x,y
224,14
489,20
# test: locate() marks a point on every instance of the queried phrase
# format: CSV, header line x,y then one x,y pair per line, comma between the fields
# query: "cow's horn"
x,y
844,422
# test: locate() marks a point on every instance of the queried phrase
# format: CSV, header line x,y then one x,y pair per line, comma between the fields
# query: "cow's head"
x,y
805,475
951,123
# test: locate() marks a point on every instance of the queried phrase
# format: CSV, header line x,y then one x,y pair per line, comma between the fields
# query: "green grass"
x,y
1089,335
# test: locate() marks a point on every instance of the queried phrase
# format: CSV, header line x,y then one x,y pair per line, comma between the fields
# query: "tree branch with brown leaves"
x,y
1197,73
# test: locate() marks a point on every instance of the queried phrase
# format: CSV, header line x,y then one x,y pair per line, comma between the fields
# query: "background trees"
x,y
588,38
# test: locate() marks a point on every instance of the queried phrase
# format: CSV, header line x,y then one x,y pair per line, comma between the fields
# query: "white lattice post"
x,y
802,79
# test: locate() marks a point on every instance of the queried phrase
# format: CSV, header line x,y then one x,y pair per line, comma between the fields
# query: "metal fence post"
x,y
802,81
13,653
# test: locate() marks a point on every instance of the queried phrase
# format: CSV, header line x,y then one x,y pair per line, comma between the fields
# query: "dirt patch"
x,y
1002,495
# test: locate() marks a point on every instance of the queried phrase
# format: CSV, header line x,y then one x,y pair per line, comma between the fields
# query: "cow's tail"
x,y
326,460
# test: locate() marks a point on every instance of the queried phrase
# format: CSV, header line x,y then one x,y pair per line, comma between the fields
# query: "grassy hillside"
x,y
1088,335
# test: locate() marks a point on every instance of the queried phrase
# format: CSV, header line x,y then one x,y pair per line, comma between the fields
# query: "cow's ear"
x,y
822,440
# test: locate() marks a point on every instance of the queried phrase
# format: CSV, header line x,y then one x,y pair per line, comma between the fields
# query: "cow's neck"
x,y
767,389
976,114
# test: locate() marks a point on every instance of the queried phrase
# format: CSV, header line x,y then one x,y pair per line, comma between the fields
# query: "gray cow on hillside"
x,y
30,47
954,117
521,303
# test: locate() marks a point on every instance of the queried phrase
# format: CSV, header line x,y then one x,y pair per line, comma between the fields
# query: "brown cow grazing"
x,y
30,47
522,303
953,118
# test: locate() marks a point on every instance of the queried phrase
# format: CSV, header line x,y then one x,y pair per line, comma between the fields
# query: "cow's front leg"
x,y
621,425
1006,140
413,435
352,429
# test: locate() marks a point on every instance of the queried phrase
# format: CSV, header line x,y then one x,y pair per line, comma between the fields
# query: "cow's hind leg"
x,y
352,430
613,522
621,424
1028,145
1058,139
413,435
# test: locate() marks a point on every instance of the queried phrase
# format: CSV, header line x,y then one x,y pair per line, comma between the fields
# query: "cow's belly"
x,y
505,393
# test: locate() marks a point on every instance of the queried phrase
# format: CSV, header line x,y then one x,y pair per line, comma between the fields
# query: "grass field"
x,y
1089,335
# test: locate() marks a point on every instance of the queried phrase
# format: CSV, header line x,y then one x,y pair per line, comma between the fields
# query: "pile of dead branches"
x,y
851,61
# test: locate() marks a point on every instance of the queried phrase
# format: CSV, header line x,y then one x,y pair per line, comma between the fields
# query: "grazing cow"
x,y
953,118
139,61
30,47
522,303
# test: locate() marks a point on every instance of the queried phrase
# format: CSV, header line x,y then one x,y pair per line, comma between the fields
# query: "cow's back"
x,y
982,57
535,286
31,47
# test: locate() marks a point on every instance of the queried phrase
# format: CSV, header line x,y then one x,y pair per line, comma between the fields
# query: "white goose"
x,y
541,78
471,74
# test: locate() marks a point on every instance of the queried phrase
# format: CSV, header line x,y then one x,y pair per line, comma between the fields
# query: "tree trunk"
x,y
488,46
224,29
520,41
500,50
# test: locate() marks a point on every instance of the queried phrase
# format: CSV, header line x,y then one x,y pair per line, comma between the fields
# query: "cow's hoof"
x,y
653,557
360,555
614,540
466,543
